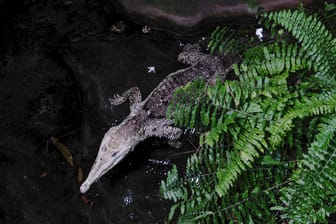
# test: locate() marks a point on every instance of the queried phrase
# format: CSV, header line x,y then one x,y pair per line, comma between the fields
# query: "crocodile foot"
x,y
162,128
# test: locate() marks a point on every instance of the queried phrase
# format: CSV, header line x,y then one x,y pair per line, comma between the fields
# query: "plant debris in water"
x,y
63,149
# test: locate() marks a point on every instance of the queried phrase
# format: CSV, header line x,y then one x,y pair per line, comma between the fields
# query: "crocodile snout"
x,y
84,187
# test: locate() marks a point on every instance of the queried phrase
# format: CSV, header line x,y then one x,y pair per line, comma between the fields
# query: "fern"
x,y
313,36
256,195
312,195
329,16
253,164
325,104
225,42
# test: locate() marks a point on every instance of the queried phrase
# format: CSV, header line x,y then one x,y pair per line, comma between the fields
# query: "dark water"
x,y
65,94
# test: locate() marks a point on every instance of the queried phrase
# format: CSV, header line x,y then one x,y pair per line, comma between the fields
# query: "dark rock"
x,y
184,16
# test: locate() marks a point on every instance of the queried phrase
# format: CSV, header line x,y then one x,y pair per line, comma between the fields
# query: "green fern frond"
x,y
291,53
251,200
171,189
315,106
311,197
329,16
316,40
224,40
246,149
252,3
185,108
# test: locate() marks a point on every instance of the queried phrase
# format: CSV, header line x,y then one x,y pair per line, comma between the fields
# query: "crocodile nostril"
x,y
84,188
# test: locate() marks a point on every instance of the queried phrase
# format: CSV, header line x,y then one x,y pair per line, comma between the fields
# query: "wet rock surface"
x,y
191,15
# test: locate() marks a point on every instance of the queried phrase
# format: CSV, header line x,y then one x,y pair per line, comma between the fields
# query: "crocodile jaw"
x,y
111,151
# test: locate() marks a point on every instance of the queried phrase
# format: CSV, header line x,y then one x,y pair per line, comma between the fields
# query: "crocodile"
x,y
147,118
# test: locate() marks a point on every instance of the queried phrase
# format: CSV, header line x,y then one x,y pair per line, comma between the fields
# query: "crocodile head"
x,y
116,144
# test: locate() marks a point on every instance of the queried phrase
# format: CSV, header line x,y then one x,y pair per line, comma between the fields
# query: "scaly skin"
x,y
146,118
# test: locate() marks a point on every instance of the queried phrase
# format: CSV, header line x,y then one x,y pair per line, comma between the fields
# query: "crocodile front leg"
x,y
162,128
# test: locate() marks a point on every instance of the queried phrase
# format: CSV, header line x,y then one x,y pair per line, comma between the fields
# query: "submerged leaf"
x,y
80,175
63,149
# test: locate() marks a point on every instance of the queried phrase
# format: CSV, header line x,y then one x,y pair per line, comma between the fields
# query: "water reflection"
x,y
127,198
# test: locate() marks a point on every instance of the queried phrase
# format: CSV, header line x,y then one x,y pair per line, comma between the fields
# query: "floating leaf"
x,y
63,149
80,175
44,174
